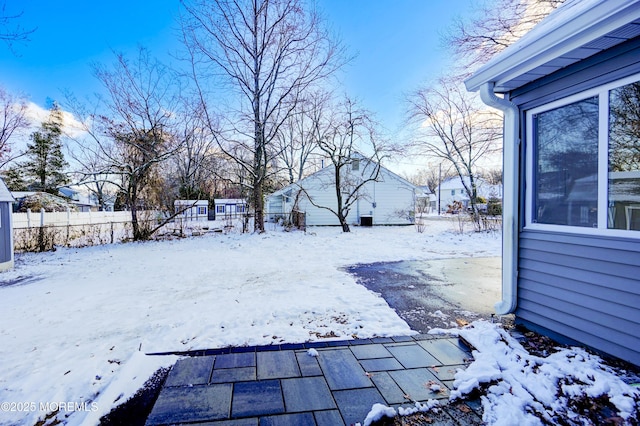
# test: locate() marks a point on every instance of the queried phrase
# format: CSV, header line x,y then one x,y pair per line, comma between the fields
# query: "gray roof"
x,y
5,194
573,32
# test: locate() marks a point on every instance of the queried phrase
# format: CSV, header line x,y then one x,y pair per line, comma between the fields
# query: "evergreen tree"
x,y
46,160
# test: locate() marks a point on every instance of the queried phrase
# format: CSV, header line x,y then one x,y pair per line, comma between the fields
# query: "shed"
x,y
571,249
230,207
388,200
192,209
6,228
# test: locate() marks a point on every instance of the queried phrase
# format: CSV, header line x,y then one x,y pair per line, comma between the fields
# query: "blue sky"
x,y
397,43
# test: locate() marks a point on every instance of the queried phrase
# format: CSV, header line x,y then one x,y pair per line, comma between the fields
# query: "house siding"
x,y
394,198
576,287
582,288
6,249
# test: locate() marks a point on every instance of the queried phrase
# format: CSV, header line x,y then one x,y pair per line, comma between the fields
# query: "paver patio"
x,y
285,385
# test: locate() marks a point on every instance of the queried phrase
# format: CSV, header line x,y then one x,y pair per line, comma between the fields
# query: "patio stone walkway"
x,y
285,385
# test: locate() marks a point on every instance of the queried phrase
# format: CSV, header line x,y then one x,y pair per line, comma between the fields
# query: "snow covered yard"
x,y
75,323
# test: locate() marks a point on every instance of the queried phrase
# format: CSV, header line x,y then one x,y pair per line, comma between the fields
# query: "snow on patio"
x,y
570,386
76,321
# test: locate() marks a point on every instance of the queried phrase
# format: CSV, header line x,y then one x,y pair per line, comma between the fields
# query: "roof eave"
x,y
563,37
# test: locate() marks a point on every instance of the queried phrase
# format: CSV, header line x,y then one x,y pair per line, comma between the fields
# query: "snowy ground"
x,y
570,386
74,324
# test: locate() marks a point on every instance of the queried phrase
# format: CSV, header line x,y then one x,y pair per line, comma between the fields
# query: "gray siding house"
x,y
6,228
571,248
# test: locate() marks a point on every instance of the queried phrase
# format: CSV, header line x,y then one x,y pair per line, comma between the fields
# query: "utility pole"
x,y
439,183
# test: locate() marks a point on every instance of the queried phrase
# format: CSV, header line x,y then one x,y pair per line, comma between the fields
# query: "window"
x,y
202,211
240,208
355,164
566,164
220,209
453,192
583,160
623,187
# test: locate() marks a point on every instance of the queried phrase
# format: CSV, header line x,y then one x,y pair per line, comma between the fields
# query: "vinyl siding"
x,y
582,288
390,194
6,251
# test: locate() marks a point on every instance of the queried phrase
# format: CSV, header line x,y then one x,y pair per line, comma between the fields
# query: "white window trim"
x,y
603,163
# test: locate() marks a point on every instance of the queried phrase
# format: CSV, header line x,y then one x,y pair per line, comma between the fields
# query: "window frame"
x,y
602,229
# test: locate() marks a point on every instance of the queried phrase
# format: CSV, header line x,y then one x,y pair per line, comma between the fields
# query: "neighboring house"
x,y
86,201
6,228
391,200
571,237
230,207
192,209
452,190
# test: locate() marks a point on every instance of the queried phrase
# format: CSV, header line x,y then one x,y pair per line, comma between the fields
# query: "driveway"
x,y
436,293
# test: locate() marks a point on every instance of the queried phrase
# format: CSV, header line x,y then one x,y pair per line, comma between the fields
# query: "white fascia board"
x,y
559,34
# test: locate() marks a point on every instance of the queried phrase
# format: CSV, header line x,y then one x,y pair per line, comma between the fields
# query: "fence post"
x,y
68,226
42,217
112,231
28,218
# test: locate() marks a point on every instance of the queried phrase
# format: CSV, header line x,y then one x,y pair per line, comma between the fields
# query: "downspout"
x,y
510,197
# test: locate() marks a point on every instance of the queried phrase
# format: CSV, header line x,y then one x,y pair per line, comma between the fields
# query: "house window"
x,y
220,209
583,161
623,187
566,164
240,208
453,192
202,211
355,165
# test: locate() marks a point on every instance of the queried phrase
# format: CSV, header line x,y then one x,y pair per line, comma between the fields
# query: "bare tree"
x,y
195,160
343,133
268,52
13,119
496,25
133,134
10,31
455,129
294,141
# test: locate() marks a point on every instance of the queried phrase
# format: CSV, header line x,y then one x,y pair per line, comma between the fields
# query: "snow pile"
x,y
378,411
419,407
525,389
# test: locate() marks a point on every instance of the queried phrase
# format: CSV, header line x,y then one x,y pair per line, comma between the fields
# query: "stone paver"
x,y
277,365
300,419
417,384
247,359
284,385
342,370
189,404
371,351
445,352
257,398
412,356
355,404
191,371
308,364
307,394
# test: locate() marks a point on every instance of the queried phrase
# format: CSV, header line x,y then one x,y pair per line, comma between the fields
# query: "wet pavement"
x,y
436,293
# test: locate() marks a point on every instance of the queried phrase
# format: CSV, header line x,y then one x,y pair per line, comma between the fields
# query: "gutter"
x,y
510,175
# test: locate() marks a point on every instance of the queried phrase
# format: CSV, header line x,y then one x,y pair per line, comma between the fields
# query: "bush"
x,y
494,207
